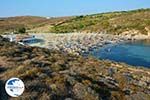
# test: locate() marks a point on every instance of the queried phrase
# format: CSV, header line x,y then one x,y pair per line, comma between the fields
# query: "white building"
x,y
22,39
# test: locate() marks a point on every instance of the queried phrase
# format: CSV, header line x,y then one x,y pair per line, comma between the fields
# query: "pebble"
x,y
77,43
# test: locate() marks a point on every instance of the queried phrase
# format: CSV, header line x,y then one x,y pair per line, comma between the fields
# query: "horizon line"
x,y
74,14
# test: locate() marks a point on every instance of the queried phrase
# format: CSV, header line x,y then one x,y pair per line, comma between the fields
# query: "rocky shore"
x,y
53,75
77,43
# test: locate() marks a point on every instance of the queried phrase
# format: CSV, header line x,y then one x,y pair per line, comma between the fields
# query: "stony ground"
x,y
76,43
53,75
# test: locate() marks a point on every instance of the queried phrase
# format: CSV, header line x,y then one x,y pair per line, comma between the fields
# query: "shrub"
x,y
21,30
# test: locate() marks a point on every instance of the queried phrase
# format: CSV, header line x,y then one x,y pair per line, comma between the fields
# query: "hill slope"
x,y
113,22
52,75
29,22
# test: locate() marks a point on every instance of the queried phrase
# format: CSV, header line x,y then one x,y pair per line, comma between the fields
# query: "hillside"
x,y
113,22
29,22
52,75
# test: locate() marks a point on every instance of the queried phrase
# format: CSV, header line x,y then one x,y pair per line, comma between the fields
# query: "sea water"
x,y
136,53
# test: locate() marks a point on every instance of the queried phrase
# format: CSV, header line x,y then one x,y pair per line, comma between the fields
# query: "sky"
x,y
55,8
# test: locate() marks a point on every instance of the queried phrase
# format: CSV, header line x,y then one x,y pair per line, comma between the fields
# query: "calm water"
x,y
133,53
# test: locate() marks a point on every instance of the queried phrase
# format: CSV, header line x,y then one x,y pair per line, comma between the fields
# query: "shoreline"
x,y
77,43
55,69
104,41
80,43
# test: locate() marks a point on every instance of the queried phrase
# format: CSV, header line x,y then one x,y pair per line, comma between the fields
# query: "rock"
x,y
91,91
142,83
127,91
53,87
64,72
111,71
3,39
81,93
69,99
71,80
79,90
128,77
109,83
138,96
42,76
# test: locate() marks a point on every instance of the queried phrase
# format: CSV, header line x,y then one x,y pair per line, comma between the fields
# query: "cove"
x,y
136,53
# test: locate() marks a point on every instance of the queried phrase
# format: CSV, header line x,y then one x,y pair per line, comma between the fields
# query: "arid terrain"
x,y
11,24
111,23
53,75
121,22
51,71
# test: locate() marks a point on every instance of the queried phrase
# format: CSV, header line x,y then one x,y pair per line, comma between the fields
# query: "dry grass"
x,y
54,75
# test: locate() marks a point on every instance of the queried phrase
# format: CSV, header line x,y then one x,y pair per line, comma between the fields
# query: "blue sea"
x,y
135,53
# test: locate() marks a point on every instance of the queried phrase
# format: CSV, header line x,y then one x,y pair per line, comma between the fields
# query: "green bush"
x,y
21,30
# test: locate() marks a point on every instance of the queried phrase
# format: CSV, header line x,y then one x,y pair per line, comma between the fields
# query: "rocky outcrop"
x,y
135,35
148,31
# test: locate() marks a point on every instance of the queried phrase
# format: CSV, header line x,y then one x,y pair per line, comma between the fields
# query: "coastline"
x,y
96,41
77,43
56,72
81,43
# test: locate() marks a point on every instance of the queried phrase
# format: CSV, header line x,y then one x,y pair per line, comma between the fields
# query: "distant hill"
x,y
29,22
110,22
